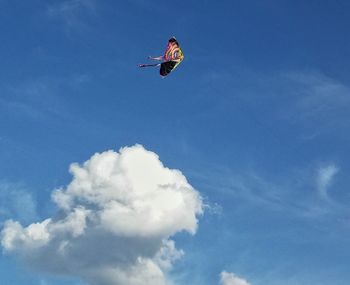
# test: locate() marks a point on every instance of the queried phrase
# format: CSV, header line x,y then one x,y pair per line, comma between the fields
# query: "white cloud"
x,y
325,177
115,221
227,278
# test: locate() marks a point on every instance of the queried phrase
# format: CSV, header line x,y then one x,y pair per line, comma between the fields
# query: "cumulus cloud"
x,y
325,177
227,278
115,221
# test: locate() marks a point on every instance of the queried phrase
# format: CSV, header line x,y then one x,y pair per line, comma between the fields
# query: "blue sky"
x,y
256,118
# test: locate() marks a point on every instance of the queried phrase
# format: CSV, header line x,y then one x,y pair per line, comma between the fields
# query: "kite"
x,y
172,57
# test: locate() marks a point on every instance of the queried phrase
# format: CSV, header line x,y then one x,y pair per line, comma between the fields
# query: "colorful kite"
x,y
172,57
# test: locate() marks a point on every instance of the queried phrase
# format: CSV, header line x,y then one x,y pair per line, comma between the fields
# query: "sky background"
x,y
256,118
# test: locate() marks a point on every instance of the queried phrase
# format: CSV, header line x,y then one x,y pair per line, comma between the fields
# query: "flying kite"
x,y
172,57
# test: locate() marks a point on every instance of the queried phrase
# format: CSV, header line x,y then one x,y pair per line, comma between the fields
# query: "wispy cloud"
x,y
299,193
16,202
325,177
315,102
72,12
309,101
39,98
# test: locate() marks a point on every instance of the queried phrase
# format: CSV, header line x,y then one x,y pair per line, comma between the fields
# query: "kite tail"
x,y
148,65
